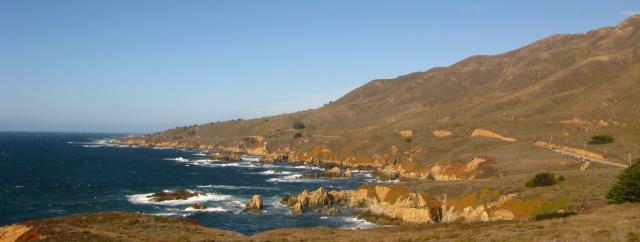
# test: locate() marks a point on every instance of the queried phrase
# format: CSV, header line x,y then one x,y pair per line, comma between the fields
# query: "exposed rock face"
x,y
348,173
574,150
441,133
226,157
478,167
255,203
399,203
173,195
335,172
491,134
297,208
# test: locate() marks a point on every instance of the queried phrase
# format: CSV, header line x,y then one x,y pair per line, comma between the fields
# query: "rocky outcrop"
x,y
401,204
491,134
478,167
254,204
226,157
441,133
173,195
335,172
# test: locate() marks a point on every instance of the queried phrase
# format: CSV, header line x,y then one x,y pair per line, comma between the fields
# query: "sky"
x,y
145,66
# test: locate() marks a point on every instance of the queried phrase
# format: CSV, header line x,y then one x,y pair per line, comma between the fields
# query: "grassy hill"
x,y
563,89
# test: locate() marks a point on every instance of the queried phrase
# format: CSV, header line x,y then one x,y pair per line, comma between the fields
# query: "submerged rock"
x,y
173,195
198,206
335,172
255,203
332,211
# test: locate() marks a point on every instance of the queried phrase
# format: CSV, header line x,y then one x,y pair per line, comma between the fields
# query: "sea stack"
x,y
255,203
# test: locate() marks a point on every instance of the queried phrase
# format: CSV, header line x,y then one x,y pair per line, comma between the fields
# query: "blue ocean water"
x,y
54,174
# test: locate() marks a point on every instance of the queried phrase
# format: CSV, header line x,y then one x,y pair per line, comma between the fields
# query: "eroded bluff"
x,y
399,203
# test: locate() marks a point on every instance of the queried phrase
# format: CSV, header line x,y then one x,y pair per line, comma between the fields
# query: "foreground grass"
x,y
608,223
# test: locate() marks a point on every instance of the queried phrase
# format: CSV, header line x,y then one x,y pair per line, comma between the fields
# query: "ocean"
x,y
56,174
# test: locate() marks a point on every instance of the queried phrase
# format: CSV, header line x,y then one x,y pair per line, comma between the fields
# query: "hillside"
x,y
562,89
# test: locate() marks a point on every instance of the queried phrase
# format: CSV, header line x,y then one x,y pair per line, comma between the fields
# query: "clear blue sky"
x,y
144,66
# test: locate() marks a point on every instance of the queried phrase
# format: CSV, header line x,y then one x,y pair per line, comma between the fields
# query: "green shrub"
x,y
561,178
628,187
297,135
541,180
408,140
298,125
530,184
601,139
553,215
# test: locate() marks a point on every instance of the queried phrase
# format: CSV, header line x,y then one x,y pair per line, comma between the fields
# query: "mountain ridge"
x,y
527,93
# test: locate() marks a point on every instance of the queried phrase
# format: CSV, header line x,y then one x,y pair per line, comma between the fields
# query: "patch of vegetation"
x,y
561,178
601,139
298,125
191,132
553,215
297,135
628,187
408,140
542,180
632,237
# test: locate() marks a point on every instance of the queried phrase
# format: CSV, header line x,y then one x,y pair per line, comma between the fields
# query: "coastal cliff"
x,y
399,203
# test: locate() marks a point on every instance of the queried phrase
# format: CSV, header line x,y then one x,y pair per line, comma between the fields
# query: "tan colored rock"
x,y
297,208
441,133
334,172
13,232
490,134
255,203
502,214
348,173
406,133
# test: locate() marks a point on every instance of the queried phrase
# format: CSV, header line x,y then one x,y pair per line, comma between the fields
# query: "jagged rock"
x,y
297,208
333,211
255,203
335,172
226,157
173,195
347,173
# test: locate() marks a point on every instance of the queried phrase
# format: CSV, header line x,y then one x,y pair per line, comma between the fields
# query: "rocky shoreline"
x,y
396,204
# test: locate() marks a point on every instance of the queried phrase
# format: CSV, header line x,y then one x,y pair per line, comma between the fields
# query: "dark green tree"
x,y
601,139
628,187
298,125
541,180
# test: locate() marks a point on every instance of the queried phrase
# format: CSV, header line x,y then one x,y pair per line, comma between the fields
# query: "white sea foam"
x,y
251,158
206,210
146,198
307,167
230,187
356,223
201,154
274,172
289,178
179,159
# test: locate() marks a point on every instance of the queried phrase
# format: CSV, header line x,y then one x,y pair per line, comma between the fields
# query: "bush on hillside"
x,y
541,180
297,135
298,125
601,139
553,215
561,178
628,187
